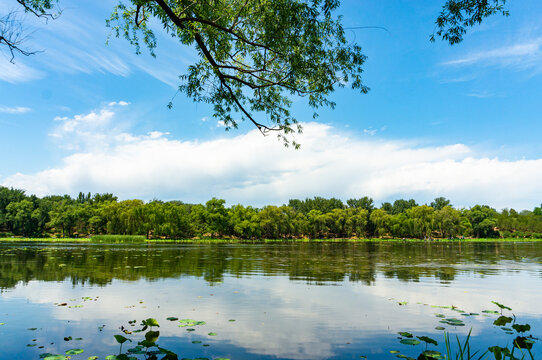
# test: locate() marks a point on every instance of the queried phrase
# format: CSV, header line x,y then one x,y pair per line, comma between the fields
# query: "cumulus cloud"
x,y
256,170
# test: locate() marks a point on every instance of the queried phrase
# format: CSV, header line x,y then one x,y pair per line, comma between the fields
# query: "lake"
x,y
268,301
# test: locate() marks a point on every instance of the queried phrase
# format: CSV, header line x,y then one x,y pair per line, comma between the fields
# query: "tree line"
x,y
316,218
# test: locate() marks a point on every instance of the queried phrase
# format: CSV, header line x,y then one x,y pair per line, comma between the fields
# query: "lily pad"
x,y
502,320
211,334
440,315
428,340
55,357
490,311
405,334
453,322
190,329
196,342
410,342
521,328
32,329
172,318
92,358
433,354
394,352
440,328
74,351
231,320
401,356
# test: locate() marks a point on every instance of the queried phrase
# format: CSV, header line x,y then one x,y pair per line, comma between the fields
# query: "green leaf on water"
x,y
121,339
409,342
55,357
196,342
502,320
405,334
501,306
189,321
172,318
401,356
521,328
32,329
403,302
5,323
211,334
222,358
78,339
433,354
428,340
92,358
440,315
453,322
440,328
190,329
394,352
231,320
199,323
74,351
490,311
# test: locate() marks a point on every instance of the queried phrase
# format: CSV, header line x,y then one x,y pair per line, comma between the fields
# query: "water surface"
x,y
289,301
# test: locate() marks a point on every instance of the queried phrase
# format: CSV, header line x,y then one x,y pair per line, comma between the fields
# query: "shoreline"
x,y
248,241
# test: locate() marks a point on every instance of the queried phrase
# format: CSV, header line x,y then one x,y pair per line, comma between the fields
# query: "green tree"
x,y
458,15
402,205
483,220
439,203
362,203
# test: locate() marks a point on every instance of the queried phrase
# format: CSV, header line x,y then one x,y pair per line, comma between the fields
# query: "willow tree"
x,y
257,56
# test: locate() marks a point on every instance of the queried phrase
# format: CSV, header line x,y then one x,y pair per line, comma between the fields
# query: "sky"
x,y
462,121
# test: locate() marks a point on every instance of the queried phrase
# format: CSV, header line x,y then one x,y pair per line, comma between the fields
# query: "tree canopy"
x,y
255,56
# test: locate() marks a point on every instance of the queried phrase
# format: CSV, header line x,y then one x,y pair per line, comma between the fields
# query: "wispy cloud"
x,y
523,55
14,110
18,72
481,94
252,169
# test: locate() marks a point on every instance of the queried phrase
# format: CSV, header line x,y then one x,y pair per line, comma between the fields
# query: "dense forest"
x,y
86,215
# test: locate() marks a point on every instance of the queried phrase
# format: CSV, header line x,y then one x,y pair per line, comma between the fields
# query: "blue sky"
x,y
461,122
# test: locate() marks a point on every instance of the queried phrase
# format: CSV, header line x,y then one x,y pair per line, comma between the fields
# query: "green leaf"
x,y
440,328
409,342
521,328
501,306
433,354
405,334
151,322
172,318
428,340
502,320
211,334
74,351
152,336
121,339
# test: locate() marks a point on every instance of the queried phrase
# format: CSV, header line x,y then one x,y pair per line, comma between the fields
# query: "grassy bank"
x,y
139,239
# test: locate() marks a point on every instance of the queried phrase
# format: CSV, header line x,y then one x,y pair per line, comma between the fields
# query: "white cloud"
x,y
14,110
252,169
17,72
525,55
118,103
370,131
